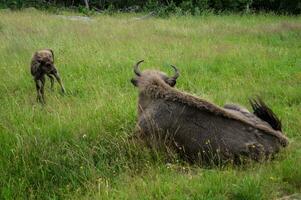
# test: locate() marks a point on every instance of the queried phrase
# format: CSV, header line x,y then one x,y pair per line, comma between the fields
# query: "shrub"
x,y
163,6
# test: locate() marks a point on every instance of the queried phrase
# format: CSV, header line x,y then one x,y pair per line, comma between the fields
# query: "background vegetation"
x,y
77,147
163,7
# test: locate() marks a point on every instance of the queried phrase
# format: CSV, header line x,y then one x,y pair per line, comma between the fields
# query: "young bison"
x,y
42,63
200,130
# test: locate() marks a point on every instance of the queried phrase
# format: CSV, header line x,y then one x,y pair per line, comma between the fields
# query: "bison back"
x,y
199,134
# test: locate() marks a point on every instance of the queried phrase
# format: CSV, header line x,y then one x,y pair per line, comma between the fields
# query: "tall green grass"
x,y
77,147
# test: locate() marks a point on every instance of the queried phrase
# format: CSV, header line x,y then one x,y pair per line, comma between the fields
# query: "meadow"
x,y
77,147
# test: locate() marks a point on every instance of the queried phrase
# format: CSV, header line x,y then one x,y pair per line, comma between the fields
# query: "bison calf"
x,y
200,130
42,63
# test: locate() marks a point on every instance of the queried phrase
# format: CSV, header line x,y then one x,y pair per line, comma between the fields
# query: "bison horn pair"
x,y
138,72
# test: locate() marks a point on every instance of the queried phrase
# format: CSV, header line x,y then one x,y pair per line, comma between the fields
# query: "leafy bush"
x,y
163,7
284,6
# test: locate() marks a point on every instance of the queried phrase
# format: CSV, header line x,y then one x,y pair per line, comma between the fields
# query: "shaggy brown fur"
x,y
42,63
192,120
155,88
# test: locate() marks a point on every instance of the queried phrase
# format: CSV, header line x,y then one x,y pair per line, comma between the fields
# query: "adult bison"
x,y
200,130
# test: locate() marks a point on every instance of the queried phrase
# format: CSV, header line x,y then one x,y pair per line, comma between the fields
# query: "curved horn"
x,y
176,73
136,68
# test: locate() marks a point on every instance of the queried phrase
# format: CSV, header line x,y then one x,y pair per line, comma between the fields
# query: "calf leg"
x,y
51,81
56,75
42,88
39,85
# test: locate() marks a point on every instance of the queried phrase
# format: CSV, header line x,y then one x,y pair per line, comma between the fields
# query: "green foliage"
x,y
164,7
287,6
248,188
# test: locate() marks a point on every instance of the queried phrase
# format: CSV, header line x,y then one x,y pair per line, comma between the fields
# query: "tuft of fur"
x,y
265,113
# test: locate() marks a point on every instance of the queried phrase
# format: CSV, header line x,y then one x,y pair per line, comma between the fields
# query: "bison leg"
x,y
51,81
42,88
56,75
39,86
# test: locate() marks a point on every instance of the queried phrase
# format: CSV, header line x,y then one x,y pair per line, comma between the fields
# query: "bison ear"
x,y
134,82
52,54
171,82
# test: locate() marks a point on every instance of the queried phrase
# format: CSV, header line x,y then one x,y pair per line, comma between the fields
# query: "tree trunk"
x,y
87,4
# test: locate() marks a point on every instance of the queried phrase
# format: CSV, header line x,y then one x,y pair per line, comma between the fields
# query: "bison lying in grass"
x,y
199,130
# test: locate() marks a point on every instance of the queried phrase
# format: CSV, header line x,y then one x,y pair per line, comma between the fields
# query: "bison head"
x,y
150,74
46,65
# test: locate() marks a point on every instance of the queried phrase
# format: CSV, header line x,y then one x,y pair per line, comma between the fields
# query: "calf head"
x,y
43,60
46,65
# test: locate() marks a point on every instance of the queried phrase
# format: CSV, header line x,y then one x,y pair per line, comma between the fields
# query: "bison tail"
x,y
262,111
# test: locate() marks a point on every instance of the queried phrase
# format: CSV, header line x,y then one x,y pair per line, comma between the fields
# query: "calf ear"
x,y
134,82
51,53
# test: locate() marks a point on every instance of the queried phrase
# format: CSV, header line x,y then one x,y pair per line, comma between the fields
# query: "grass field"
x,y
76,146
